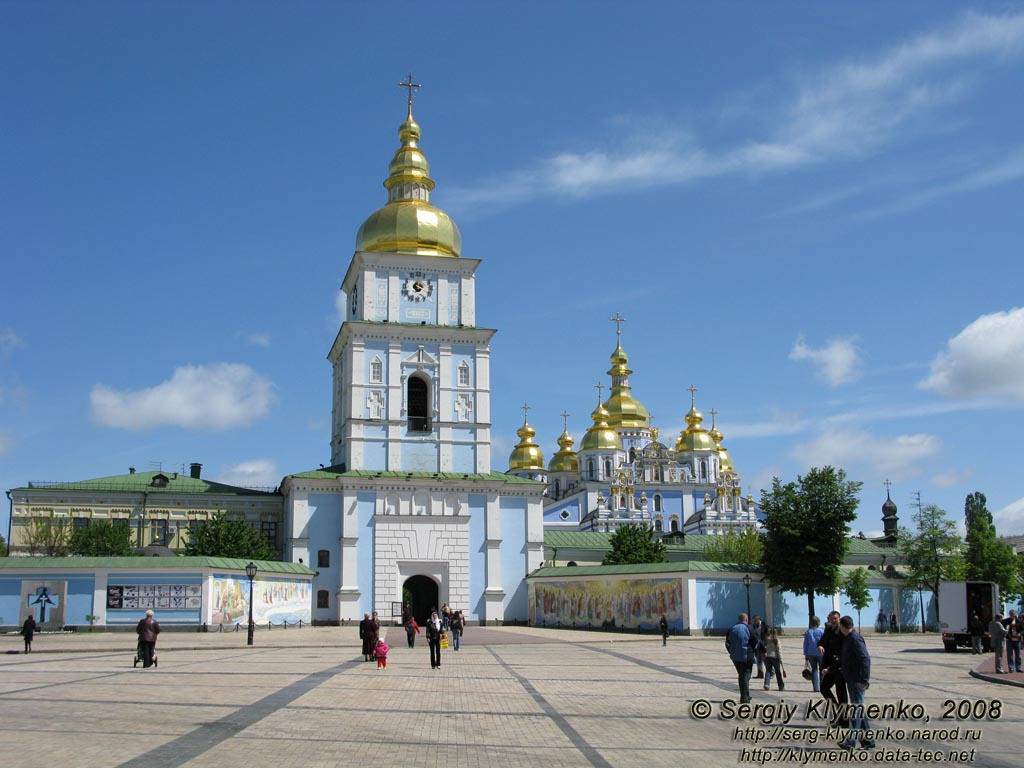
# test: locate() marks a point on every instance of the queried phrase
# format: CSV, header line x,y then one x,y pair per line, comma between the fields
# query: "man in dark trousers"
x,y
434,640
760,632
740,644
856,665
832,675
147,629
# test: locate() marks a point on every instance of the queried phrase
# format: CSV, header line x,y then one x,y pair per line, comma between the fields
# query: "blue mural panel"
x,y
721,601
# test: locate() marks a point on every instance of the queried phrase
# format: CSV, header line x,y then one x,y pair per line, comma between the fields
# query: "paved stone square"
x,y
512,696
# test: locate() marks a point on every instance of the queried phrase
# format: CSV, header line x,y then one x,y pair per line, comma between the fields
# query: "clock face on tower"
x,y
418,289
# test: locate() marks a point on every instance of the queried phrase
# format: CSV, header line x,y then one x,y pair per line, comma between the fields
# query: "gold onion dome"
x,y
409,223
526,455
601,437
566,459
724,460
624,411
695,437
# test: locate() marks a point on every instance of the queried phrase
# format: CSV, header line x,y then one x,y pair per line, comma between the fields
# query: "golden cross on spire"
x,y
565,419
408,83
712,412
618,320
600,389
692,391
526,411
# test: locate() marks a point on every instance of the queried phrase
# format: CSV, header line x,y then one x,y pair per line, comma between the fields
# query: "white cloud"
x,y
951,478
256,473
6,444
986,359
9,341
1009,520
780,423
896,457
258,339
215,397
838,362
850,110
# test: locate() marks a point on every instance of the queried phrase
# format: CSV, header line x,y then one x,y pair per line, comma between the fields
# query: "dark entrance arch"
x,y
422,593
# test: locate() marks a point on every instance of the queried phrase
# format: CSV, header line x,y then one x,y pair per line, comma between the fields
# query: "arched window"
x,y
323,559
376,371
657,502
658,526
323,598
632,455
657,473
622,502
703,469
591,470
419,404
558,488
607,467
674,525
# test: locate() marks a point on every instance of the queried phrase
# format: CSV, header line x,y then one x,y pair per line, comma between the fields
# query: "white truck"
x,y
958,601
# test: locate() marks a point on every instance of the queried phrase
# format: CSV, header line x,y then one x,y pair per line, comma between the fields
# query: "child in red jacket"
x,y
381,652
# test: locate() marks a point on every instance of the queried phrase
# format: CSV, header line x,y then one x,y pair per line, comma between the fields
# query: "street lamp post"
x,y
250,571
920,599
747,581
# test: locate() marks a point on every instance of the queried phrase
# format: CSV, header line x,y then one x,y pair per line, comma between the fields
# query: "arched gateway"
x,y
421,592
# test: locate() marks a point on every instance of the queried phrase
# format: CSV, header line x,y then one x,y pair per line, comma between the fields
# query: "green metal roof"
x,y
142,482
150,564
694,542
330,473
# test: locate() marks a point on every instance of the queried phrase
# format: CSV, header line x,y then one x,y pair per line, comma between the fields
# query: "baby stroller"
x,y
138,656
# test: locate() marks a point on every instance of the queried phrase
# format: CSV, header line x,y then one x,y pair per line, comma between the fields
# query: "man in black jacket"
x,y
856,665
831,655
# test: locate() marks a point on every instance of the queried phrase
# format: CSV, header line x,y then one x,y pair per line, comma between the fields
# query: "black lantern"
x,y
250,571
747,581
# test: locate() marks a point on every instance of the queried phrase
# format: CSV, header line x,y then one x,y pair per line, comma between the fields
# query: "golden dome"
x,y
624,411
526,455
566,459
601,437
694,437
409,223
724,460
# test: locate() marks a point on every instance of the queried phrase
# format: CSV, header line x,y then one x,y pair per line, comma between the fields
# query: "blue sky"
x,y
811,212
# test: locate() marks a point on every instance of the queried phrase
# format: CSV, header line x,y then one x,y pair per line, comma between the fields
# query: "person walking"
x,y
856,665
759,630
147,629
380,652
1013,639
411,630
977,628
434,639
998,634
812,653
773,661
663,625
894,624
28,631
368,634
458,625
740,644
832,677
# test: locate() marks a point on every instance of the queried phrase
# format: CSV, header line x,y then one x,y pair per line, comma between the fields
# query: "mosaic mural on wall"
x,y
273,601
608,603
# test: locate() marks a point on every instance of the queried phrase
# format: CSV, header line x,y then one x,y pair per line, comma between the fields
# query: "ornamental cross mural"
x,y
618,320
408,83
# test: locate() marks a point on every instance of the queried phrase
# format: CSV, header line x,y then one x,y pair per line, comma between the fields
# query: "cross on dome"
x,y
692,390
408,83
618,320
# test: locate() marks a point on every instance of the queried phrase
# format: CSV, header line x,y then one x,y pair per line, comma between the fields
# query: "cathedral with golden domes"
x,y
622,474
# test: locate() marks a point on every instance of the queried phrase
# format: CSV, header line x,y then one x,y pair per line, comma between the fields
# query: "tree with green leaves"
x,y
632,544
806,525
47,537
857,592
220,537
3,546
745,547
101,538
988,558
932,551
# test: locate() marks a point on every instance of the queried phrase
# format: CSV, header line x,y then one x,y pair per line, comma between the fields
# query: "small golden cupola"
x,y
624,411
600,437
527,455
694,437
566,459
724,460
408,223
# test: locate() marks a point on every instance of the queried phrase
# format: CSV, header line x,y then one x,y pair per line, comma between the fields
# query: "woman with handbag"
x,y
773,661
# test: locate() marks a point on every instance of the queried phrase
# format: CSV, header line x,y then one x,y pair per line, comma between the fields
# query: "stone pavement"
x,y
513,696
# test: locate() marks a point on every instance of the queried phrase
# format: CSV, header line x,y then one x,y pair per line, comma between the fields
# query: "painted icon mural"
x,y
274,601
617,603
